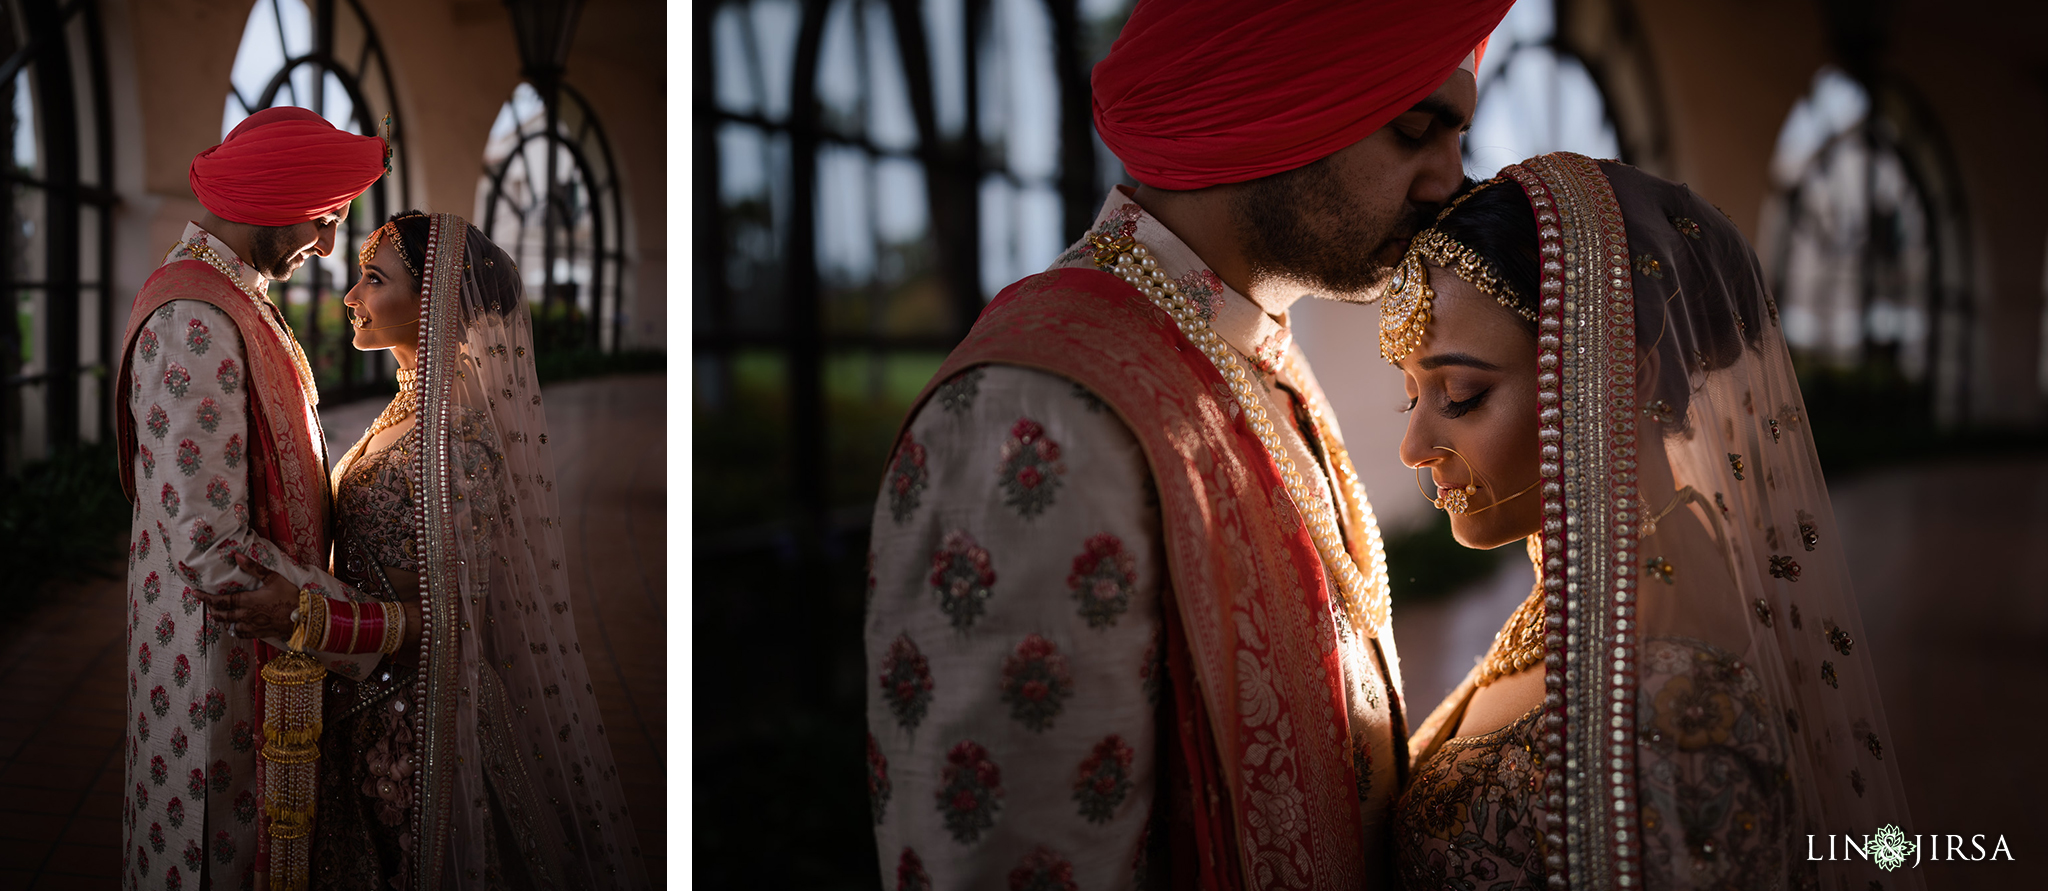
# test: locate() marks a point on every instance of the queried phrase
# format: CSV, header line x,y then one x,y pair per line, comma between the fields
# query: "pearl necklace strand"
x,y
1365,602
205,254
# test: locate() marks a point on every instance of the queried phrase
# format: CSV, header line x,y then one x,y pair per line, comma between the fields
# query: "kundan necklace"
x,y
1364,599
1519,642
402,406
207,255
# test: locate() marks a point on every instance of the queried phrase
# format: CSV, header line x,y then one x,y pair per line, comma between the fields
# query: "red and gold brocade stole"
x,y
1247,587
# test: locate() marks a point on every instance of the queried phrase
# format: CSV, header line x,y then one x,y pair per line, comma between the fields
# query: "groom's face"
x,y
1336,228
279,251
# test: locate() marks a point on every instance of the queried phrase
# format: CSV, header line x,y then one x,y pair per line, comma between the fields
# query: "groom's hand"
x,y
263,612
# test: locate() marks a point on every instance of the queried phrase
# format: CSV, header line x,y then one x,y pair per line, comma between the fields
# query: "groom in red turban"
x,y
1128,622
222,455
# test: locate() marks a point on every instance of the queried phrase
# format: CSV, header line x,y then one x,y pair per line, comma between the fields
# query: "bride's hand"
x,y
263,612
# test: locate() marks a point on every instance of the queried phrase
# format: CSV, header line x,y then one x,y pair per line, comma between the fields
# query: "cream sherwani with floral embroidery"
x,y
1015,616
189,802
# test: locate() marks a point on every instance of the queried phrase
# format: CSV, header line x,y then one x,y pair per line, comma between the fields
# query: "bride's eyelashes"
x,y
1455,410
1451,410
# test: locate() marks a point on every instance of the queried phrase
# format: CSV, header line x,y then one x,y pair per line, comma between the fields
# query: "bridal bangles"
x,y
348,627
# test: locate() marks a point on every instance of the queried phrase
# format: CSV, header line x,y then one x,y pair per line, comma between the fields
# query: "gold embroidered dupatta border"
x,y
436,693
1247,582
1586,361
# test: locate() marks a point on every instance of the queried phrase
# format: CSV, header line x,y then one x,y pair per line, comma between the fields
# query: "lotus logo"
x,y
1889,848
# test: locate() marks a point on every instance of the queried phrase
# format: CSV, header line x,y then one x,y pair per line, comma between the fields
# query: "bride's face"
x,y
1472,383
385,303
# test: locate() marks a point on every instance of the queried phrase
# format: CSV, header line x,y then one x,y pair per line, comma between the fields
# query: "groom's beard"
x,y
1304,226
272,252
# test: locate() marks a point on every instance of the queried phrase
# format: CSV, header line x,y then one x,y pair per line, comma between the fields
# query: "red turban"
x,y
283,166
1196,93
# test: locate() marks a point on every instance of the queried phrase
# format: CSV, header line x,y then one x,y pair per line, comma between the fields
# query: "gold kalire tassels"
x,y
292,683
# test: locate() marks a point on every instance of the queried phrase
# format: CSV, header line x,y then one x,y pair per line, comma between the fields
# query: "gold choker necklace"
x,y
1519,643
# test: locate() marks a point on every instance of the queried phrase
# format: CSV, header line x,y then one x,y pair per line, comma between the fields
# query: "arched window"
x,y
867,174
1535,97
550,197
1857,245
56,239
325,57
870,174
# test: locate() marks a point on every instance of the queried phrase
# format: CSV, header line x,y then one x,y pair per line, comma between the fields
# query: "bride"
x,y
472,755
1596,367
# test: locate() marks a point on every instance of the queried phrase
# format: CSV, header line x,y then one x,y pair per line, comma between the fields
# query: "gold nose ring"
x,y
1454,501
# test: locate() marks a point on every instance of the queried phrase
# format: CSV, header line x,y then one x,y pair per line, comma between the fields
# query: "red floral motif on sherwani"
x,y
1030,468
971,791
910,874
1043,870
1104,779
1229,614
878,780
1036,682
906,682
962,576
906,481
1102,580
204,374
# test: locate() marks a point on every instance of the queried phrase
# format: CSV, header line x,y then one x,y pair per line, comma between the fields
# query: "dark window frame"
x,y
586,145
58,48
354,373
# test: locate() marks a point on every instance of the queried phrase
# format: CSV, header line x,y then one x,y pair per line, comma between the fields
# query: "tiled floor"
x,y
61,702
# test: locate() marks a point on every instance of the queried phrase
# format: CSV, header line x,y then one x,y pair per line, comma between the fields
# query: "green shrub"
x,y
1425,563
61,517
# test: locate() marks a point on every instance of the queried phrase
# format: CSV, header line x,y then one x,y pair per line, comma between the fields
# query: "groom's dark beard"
x,y
1304,225
271,252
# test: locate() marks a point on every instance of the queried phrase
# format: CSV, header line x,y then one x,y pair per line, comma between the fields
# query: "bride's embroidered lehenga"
x,y
1709,699
483,763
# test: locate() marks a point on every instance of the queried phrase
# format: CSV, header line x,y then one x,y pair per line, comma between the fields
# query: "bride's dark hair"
x,y
498,282
1498,224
